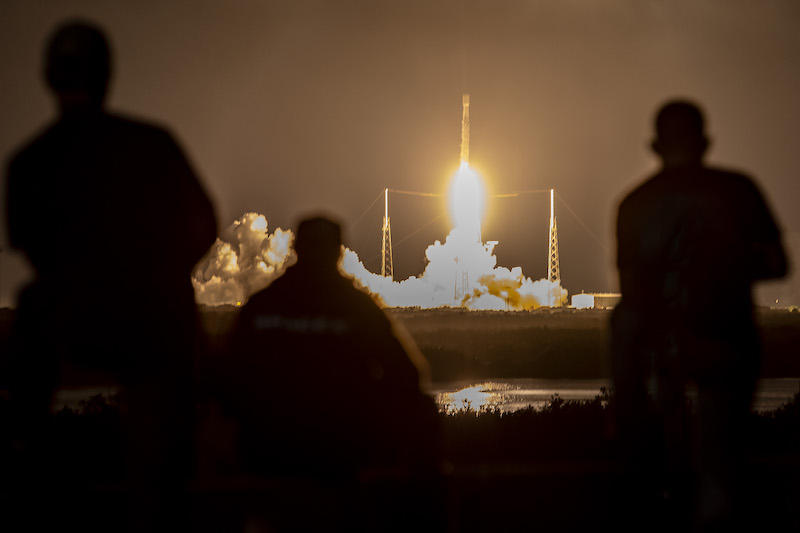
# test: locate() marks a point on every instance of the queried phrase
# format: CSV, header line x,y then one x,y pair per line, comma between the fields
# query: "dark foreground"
x,y
557,467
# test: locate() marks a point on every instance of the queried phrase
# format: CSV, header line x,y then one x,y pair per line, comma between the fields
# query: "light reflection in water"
x,y
509,395
469,398
484,396
505,395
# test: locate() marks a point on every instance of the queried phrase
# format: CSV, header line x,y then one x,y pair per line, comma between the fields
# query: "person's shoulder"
x,y
732,180
641,192
728,173
267,296
137,126
31,147
260,303
358,295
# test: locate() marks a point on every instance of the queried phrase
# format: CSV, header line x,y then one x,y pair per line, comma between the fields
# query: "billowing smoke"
x,y
242,261
461,272
459,276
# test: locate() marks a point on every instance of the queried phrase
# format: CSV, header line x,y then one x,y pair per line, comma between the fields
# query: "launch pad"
x,y
472,264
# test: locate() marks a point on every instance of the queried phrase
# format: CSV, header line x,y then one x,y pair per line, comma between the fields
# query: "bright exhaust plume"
x,y
460,272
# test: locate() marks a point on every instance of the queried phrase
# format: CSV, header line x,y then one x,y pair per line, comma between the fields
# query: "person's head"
x,y
78,65
318,243
680,134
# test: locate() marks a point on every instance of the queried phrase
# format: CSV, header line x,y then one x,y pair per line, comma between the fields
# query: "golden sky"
x,y
289,106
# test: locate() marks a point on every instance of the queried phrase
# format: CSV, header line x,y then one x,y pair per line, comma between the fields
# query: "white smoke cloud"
x,y
461,272
242,261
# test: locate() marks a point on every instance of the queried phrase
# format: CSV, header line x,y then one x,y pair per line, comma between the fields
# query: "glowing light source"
x,y
462,271
467,203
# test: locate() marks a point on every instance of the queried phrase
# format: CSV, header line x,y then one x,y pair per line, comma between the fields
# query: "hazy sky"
x,y
287,107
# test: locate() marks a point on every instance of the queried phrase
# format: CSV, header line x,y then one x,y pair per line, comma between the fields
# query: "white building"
x,y
595,300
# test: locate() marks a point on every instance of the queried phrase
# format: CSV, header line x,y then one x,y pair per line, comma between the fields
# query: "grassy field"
x,y
460,344
546,343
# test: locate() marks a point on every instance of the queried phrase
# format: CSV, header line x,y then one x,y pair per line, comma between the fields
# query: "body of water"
x,y
508,395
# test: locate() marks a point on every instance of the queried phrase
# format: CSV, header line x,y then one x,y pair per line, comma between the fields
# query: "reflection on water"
x,y
477,397
508,395
504,395
773,393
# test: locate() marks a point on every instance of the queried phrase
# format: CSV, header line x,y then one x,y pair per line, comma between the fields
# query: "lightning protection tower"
x,y
387,266
553,268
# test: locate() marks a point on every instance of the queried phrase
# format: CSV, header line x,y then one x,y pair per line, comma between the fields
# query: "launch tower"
x,y
387,266
553,268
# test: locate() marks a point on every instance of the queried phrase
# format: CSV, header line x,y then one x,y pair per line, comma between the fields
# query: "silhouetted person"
x,y
692,240
112,218
324,389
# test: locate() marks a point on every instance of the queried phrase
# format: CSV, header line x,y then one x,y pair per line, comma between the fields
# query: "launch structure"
x,y
553,268
387,265
461,281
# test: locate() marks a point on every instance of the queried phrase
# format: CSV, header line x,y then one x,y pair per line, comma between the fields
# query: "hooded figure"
x,y
325,387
